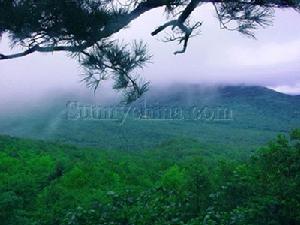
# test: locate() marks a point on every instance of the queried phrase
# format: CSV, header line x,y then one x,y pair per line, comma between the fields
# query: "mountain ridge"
x,y
259,114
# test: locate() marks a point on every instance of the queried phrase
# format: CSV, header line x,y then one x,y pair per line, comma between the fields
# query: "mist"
x,y
215,57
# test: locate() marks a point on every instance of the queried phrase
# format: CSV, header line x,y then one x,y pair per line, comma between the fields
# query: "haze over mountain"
x,y
254,115
215,140
272,60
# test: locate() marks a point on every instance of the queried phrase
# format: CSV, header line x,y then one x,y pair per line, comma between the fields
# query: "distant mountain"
x,y
225,118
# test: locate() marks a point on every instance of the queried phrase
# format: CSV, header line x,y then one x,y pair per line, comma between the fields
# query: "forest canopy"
x,y
45,183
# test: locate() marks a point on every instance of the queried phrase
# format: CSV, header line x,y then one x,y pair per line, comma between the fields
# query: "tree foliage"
x,y
85,29
162,188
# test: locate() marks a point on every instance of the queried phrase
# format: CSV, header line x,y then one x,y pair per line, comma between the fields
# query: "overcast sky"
x,y
216,56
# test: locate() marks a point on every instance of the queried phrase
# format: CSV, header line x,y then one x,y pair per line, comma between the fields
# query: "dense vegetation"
x,y
179,182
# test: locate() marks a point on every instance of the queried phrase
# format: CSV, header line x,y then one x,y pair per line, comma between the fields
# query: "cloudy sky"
x,y
216,56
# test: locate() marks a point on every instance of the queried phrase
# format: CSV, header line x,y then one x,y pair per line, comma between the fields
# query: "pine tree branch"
x,y
122,21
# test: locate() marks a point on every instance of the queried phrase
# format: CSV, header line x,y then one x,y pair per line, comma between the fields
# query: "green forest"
x,y
177,183
149,112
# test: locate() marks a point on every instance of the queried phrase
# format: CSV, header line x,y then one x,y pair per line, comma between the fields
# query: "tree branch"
x,y
180,23
110,29
121,21
37,48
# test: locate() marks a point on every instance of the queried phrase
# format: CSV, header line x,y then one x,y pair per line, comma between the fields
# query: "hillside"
x,y
178,182
258,115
